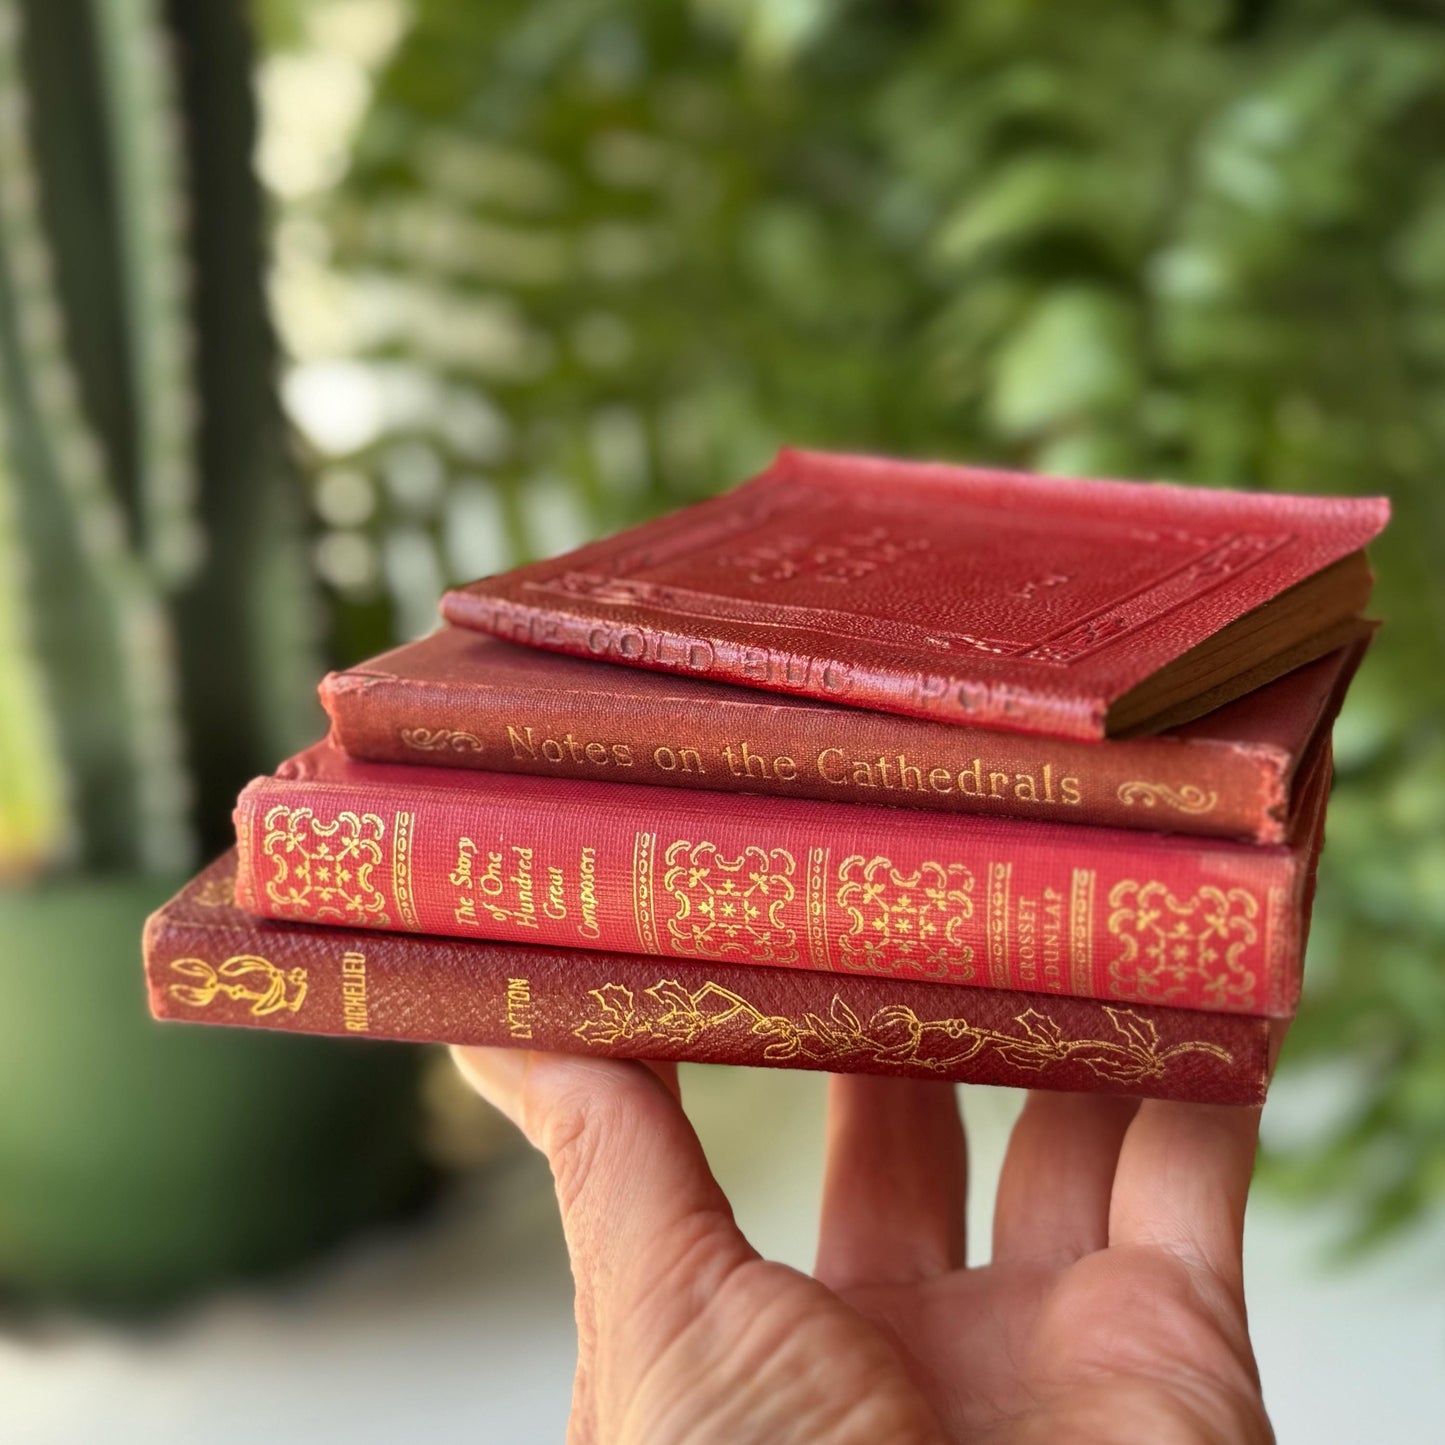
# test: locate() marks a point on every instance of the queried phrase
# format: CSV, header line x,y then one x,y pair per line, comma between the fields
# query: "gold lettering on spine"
x,y
1081,933
355,1008
1000,879
519,1008
644,858
403,827
819,953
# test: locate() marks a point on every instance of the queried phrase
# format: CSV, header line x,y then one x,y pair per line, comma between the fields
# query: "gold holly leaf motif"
x,y
617,1014
680,1020
1039,1026
894,1034
1140,1032
672,993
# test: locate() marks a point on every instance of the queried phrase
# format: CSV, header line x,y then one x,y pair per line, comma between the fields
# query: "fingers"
x,y
896,1182
639,1203
1053,1194
1182,1182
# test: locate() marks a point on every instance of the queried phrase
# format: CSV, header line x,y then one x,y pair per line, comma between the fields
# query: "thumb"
x,y
643,1216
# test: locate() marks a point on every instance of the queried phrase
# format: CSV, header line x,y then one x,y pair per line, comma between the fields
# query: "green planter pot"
x,y
141,1162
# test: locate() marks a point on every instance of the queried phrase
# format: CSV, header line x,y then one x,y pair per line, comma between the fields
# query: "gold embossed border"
x,y
1081,931
819,944
644,883
403,827
1000,881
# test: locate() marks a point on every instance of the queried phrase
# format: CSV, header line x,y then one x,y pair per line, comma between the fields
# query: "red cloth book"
x,y
460,699
208,962
1031,604
1089,912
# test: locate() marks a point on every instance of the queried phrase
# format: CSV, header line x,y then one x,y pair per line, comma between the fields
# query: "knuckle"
x,y
573,1133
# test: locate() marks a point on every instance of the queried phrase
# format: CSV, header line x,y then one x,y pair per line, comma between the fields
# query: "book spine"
x,y
880,682
1050,910
297,979
832,755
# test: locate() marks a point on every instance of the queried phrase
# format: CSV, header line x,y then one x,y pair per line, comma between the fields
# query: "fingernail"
x,y
496,1074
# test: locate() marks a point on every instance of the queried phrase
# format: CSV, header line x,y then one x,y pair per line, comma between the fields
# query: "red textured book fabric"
x,y
969,596
460,699
208,962
1089,912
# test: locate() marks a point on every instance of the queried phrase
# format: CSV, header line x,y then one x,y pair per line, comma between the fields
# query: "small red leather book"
x,y
460,699
1078,609
784,882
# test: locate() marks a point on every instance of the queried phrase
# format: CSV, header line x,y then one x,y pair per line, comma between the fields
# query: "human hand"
x,y
1112,1309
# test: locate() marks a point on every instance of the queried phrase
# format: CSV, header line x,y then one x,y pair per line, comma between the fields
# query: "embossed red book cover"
x,y
462,699
208,962
1088,912
1032,604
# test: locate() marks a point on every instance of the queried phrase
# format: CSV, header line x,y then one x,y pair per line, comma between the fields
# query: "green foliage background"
x,y
622,250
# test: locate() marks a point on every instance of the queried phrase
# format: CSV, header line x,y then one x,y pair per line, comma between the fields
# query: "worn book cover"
x,y
461,699
1089,912
1078,609
209,962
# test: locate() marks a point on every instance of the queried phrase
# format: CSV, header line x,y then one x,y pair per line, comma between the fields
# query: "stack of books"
x,y
865,766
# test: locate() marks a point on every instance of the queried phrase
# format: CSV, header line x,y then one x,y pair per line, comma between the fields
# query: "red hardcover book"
x,y
1089,912
208,962
461,699
1032,604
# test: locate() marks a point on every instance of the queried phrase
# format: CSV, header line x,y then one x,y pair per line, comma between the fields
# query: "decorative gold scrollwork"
x,y
438,740
1171,947
895,1035
725,907
323,870
1188,799
915,919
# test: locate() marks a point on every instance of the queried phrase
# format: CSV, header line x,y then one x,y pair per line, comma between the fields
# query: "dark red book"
x,y
209,962
460,699
1089,912
1032,604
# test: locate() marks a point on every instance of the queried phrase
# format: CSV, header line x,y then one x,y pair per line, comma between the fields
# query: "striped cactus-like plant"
x,y
153,601
155,650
